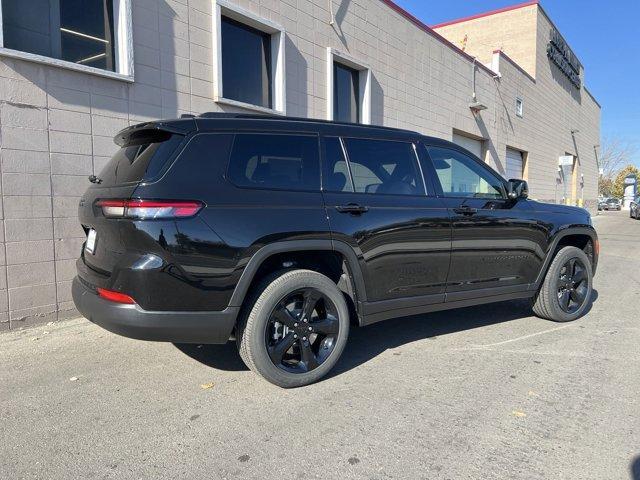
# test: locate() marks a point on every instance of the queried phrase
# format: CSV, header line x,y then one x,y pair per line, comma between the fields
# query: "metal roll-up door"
x,y
471,144
513,167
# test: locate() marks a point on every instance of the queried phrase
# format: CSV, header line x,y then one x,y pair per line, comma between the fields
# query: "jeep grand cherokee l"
x,y
280,232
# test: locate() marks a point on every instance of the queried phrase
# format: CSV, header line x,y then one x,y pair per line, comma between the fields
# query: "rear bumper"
x,y
133,322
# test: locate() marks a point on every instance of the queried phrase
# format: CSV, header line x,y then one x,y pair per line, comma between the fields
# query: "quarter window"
x,y
85,33
246,64
461,176
284,162
383,167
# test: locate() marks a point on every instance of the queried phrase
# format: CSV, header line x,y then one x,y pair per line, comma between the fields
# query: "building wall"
x,y
553,106
513,31
56,125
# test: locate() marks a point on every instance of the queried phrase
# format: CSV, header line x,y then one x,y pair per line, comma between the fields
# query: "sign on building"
x,y
560,54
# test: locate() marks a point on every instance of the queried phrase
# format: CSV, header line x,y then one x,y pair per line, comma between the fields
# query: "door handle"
x,y
465,210
352,208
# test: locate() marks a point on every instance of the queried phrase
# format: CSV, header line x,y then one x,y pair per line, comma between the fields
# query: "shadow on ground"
x,y
635,469
367,343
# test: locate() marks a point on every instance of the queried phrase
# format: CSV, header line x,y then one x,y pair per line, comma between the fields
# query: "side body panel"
x,y
208,260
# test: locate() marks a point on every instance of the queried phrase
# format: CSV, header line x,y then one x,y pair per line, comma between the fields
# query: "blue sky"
x,y
605,35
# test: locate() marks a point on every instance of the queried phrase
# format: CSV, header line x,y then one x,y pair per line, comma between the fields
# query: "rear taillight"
x,y
114,296
149,209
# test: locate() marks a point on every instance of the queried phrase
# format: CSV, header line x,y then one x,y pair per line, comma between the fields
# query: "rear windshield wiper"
x,y
94,179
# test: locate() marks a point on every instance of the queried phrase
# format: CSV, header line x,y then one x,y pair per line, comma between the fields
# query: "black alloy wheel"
x,y
572,285
302,331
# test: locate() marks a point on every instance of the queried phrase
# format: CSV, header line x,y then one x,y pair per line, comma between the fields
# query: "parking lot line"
x,y
517,339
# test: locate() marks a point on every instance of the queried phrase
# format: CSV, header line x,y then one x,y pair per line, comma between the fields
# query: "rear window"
x,y
141,160
282,162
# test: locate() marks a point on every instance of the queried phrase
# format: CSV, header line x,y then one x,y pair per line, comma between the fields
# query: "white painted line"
x,y
523,337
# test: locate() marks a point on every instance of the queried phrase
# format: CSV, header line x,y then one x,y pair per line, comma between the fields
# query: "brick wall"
x,y
56,126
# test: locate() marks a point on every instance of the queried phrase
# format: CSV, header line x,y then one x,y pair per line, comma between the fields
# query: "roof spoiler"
x,y
153,132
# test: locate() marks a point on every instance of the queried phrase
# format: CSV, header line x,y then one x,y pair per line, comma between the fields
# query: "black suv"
x,y
280,231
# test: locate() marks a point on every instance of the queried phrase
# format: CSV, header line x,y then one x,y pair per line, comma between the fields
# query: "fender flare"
x,y
570,230
242,288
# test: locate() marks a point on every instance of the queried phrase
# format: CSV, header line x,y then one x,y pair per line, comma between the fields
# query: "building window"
x,y
348,89
519,107
249,60
346,97
246,64
88,35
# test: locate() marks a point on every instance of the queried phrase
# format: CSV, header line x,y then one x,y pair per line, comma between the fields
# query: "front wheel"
x,y
565,293
296,328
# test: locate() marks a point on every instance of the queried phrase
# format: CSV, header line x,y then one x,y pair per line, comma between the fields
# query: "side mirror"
x,y
517,189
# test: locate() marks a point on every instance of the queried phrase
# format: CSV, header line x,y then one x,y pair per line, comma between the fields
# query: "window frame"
x,y
520,110
227,175
426,192
224,8
364,90
435,180
324,163
123,48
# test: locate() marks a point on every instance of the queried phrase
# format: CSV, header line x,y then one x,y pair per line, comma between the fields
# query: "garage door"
x,y
513,167
471,144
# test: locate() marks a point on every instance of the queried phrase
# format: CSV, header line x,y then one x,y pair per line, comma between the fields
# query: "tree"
x,y
605,186
618,184
614,153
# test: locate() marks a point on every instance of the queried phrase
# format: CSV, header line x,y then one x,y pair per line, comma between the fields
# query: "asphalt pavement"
x,y
488,392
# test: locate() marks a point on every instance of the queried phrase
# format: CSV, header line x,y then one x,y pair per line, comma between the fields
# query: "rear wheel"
x,y
295,329
565,293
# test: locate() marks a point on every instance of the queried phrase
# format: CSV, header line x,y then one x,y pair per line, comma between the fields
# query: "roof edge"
x,y
427,29
592,97
486,14
515,64
502,10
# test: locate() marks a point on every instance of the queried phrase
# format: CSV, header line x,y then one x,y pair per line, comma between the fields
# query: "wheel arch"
x,y
303,254
584,238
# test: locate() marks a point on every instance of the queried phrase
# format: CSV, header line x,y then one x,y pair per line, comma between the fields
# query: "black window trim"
x,y
235,134
479,163
413,142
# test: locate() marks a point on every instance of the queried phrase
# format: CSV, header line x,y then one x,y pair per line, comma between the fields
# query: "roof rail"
x,y
258,116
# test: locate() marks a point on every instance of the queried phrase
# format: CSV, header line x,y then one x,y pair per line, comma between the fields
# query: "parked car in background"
x,y
281,232
634,208
601,202
612,204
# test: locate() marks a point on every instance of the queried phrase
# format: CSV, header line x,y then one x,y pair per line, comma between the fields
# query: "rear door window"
x,y
275,161
141,160
384,167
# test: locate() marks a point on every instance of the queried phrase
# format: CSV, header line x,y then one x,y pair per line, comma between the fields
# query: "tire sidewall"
x,y
561,258
260,313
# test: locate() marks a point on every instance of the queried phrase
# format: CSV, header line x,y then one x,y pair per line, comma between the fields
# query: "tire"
x,y
547,303
255,330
